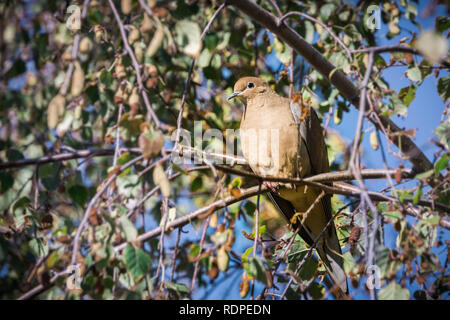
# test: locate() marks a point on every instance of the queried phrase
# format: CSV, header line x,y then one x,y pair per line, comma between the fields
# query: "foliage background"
x,y
42,206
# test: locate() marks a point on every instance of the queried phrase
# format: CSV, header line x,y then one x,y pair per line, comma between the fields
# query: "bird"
x,y
280,138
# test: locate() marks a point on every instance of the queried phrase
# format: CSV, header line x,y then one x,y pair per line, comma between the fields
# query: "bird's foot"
x,y
273,186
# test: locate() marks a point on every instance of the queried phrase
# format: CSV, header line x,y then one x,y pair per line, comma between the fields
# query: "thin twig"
x,y
395,48
323,25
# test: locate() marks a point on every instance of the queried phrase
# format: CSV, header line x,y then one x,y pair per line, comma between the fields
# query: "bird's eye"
x,y
250,85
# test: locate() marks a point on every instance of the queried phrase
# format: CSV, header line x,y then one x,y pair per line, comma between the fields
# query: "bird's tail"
x,y
331,255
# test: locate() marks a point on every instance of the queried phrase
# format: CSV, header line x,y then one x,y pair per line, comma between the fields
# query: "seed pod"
x,y
94,4
366,60
354,236
374,140
222,259
146,25
67,56
160,178
150,143
55,110
156,42
31,79
77,80
151,70
78,112
151,3
98,30
120,71
85,45
133,101
119,96
213,271
134,35
126,6
213,221
230,239
244,286
139,52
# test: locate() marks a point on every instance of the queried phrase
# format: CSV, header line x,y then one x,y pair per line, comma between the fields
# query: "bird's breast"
x,y
270,139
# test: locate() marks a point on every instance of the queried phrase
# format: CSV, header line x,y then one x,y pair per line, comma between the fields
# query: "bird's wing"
x,y
312,136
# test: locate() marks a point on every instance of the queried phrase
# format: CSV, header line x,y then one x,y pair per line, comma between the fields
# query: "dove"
x,y
280,138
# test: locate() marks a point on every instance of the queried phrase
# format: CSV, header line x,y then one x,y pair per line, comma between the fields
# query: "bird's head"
x,y
248,87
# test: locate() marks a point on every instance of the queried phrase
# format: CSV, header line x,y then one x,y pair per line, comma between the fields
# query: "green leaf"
x,y
17,68
282,51
204,58
443,87
417,195
128,186
196,184
306,30
397,105
326,11
245,255
249,207
179,289
38,247
384,262
79,194
211,41
6,181
407,94
411,12
353,32
425,174
393,291
50,183
106,77
441,164
137,261
349,262
316,290
188,37
237,182
443,132
128,229
14,155
414,74
308,269
393,215
442,24
255,269
194,250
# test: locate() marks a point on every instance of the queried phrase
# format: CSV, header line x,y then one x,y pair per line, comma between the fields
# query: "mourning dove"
x,y
280,139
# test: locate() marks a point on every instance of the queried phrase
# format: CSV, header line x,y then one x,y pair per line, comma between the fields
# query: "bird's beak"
x,y
234,95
